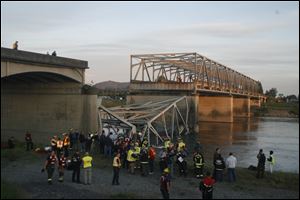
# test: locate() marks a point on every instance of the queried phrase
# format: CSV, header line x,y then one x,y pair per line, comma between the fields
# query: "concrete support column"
x,y
196,120
241,107
215,108
89,119
255,103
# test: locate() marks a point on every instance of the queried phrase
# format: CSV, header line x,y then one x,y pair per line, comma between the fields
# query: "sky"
x,y
258,39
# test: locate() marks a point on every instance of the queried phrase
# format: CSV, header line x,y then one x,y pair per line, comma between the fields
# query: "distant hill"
x,y
112,85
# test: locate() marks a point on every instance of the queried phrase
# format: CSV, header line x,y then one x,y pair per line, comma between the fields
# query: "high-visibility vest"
x,y
273,160
116,162
180,146
137,150
59,144
66,141
130,158
53,142
167,143
87,161
198,160
62,161
52,160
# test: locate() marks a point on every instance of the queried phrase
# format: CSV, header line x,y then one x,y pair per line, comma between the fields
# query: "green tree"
x,y
271,93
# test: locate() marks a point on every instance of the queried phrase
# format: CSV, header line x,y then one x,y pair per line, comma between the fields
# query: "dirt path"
x,y
29,178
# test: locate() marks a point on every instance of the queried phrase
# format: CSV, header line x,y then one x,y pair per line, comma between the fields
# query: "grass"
x,y
112,102
19,152
11,191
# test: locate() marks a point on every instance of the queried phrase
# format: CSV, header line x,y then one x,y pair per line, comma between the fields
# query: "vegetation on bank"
x,y
278,109
113,102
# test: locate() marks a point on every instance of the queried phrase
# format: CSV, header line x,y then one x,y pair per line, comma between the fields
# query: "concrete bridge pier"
x,y
241,107
215,108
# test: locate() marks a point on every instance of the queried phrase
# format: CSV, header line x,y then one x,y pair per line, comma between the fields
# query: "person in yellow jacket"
x,y
87,168
137,153
181,145
116,168
271,161
131,159
167,143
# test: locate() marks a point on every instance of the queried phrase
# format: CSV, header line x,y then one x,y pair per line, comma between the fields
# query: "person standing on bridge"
x,y
15,45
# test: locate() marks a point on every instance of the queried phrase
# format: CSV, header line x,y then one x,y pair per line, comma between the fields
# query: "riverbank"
x,y
21,178
289,110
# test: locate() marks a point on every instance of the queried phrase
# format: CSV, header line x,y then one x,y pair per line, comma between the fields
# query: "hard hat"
x,y
166,170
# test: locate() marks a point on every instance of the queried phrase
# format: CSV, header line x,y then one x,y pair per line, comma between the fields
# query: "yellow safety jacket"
x,y
180,146
167,143
137,150
130,158
273,160
87,161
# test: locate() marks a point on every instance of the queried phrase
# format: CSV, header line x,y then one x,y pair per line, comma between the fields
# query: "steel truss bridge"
x,y
193,71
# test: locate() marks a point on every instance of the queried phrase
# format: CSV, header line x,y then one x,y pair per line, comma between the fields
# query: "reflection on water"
x,y
245,137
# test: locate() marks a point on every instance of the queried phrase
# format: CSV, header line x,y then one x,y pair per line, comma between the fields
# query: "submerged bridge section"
x,y
215,91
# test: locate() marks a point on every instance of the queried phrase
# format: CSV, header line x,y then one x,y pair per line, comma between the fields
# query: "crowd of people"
x,y
136,155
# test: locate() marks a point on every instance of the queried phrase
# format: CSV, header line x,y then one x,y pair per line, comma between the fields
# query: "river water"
x,y
245,137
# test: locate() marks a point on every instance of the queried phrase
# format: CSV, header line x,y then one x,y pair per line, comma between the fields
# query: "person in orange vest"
x,y
152,155
116,168
61,167
59,147
53,143
50,166
66,144
206,186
